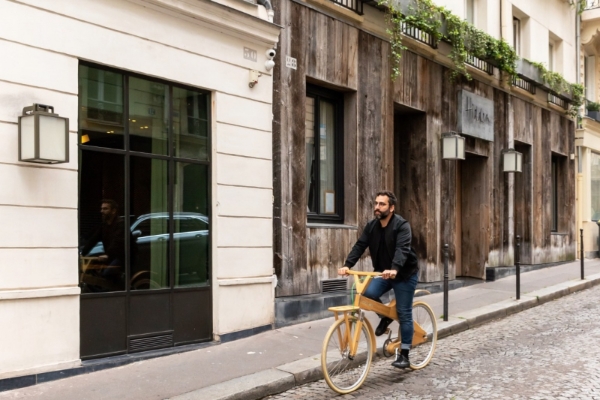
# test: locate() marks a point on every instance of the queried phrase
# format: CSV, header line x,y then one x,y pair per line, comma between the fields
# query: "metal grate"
x,y
418,34
557,101
592,4
480,64
525,85
354,5
150,342
334,285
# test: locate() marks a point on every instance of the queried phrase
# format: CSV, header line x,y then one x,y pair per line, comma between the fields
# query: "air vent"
x,y
150,343
334,285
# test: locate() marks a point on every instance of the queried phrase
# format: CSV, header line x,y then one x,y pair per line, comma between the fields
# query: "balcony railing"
x,y
480,64
592,4
418,34
523,84
557,101
354,5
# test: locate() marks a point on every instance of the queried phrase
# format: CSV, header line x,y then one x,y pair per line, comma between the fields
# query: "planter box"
x,y
593,114
528,71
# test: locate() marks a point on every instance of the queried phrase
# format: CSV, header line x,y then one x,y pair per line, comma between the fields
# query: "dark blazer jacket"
x,y
398,240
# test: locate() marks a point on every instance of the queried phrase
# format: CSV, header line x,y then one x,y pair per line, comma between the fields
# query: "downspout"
x,y
269,7
579,178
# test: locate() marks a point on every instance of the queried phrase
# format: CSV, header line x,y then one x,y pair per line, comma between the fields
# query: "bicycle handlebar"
x,y
363,273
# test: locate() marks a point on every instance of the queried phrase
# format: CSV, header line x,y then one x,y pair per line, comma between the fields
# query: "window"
x,y
517,35
323,138
590,77
470,11
144,158
554,194
595,186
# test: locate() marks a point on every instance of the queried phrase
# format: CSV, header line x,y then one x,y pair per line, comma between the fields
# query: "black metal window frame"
x,y
171,159
337,99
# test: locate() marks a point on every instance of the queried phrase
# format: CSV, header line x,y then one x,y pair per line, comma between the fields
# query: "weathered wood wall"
x,y
392,136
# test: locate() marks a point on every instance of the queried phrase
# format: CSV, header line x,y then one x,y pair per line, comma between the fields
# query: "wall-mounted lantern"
x,y
453,146
511,160
43,136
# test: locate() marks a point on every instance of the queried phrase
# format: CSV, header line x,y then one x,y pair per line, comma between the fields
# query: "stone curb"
x,y
287,376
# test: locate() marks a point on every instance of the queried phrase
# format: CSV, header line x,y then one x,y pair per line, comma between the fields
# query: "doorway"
x,y
472,219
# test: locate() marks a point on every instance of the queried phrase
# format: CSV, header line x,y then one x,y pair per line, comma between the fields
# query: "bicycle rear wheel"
x,y
343,373
425,336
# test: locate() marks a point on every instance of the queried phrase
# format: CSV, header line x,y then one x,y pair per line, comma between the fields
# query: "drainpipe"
x,y
578,181
269,7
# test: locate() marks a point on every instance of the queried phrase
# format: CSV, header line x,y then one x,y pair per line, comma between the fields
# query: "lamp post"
x,y
453,148
512,161
43,136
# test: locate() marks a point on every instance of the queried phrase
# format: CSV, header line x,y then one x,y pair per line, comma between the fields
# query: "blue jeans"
x,y
404,292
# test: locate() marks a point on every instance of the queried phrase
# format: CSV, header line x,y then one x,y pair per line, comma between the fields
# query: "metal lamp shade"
x,y
453,147
43,136
512,161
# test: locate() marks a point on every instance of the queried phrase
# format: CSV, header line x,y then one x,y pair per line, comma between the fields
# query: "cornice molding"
x,y
218,16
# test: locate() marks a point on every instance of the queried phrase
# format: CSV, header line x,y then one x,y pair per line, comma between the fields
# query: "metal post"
x,y
581,253
446,282
518,265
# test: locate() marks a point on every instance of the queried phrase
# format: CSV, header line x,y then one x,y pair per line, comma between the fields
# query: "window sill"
x,y
319,225
559,233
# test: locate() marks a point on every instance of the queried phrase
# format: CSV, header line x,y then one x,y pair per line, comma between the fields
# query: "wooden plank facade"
x,y
391,139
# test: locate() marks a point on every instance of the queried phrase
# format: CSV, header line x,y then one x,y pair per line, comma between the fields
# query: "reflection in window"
x,y
148,116
190,124
101,107
595,186
191,224
149,186
101,223
322,137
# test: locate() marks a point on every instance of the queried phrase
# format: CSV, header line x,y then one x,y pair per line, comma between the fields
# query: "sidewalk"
x,y
278,360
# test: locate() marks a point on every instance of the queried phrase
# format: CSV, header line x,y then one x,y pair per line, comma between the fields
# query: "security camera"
x,y
270,53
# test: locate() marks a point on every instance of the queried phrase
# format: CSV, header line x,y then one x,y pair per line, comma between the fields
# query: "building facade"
x,y
588,134
344,129
158,230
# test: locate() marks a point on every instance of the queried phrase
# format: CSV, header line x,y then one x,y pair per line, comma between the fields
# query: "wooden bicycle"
x,y
349,345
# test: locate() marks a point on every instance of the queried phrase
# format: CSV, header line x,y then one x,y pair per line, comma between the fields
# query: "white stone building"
x,y
166,133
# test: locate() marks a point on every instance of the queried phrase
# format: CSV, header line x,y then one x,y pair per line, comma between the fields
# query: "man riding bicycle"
x,y
389,238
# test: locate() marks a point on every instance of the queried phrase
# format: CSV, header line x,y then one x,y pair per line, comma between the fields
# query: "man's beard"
x,y
382,214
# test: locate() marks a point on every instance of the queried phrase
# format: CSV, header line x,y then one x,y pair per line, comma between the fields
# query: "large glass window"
x,y
144,185
595,186
323,138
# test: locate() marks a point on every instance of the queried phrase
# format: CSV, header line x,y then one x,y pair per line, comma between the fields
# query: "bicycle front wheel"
x,y
425,336
343,372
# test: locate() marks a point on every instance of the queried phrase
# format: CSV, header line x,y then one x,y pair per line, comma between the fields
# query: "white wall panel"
x,y
44,187
244,262
47,333
79,39
38,268
244,171
13,97
245,232
242,141
245,202
38,227
244,307
244,112
59,72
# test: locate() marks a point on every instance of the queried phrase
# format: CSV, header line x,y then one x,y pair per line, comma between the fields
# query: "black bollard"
x,y
581,252
518,265
446,282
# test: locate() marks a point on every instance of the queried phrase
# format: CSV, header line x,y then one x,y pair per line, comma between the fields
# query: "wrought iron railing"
x,y
592,4
480,64
418,34
523,84
354,5
557,101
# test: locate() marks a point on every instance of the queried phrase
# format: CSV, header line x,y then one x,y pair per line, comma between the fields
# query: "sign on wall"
x,y
475,116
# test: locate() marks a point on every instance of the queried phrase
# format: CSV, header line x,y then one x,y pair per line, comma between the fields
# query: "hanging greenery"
x,y
579,5
466,40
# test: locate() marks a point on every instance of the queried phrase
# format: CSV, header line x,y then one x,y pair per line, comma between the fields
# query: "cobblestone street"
x,y
547,352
